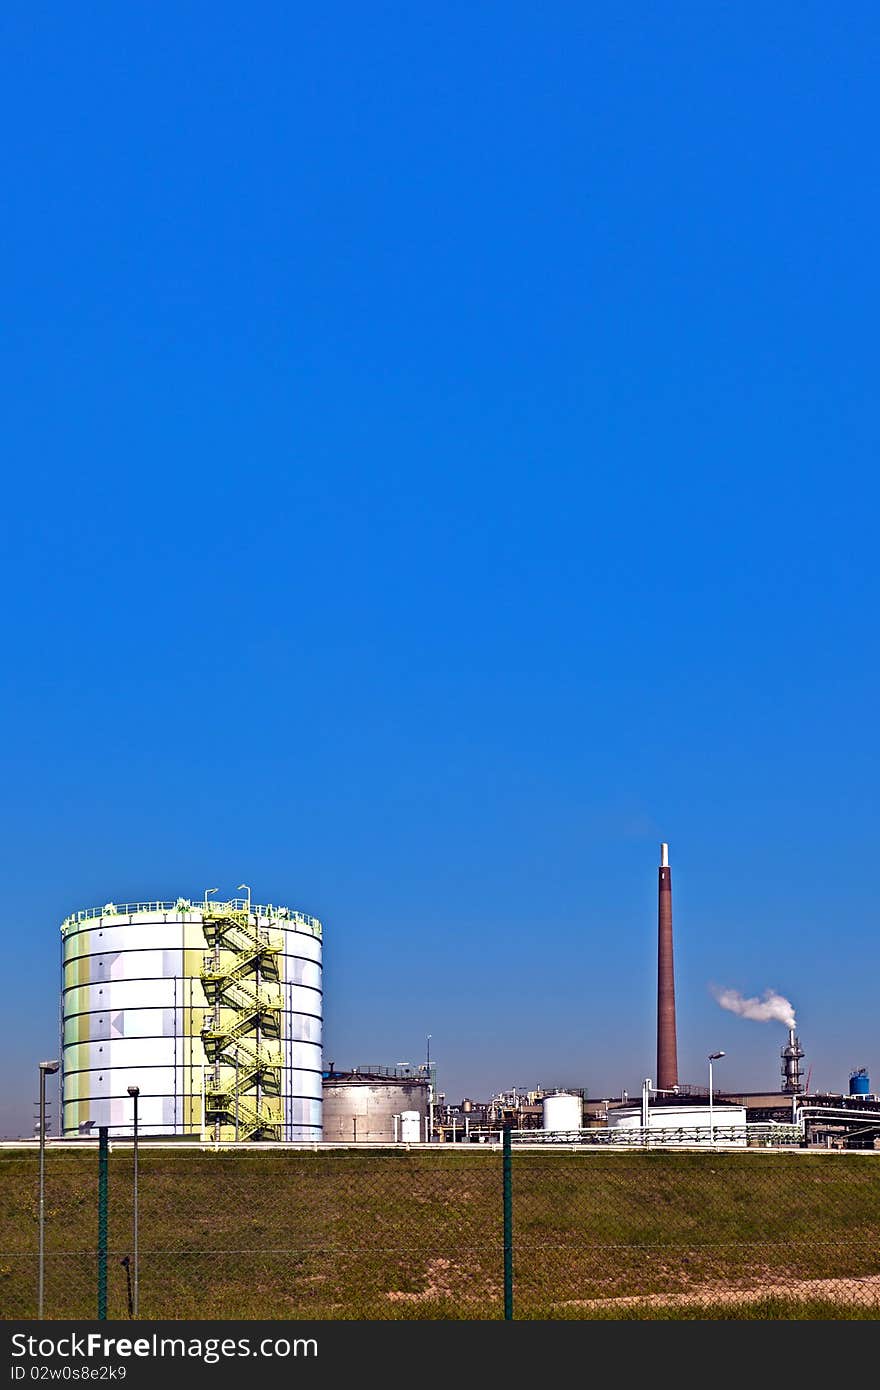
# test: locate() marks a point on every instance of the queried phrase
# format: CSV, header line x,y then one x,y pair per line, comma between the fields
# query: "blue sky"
x,y
441,464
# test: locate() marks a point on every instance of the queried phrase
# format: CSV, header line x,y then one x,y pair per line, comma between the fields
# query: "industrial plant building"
x,y
669,1108
213,1010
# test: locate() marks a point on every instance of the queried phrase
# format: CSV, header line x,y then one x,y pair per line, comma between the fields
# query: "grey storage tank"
x,y
375,1105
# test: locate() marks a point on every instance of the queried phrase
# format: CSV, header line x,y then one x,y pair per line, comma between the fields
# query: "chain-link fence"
x,y
347,1233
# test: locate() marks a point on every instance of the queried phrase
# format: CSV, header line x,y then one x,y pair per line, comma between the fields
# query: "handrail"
x,y
767,1132
240,965
258,1116
252,1054
231,1032
818,1112
265,995
364,1073
187,905
231,972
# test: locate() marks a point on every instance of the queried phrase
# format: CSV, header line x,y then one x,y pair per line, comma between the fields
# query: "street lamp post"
x,y
713,1057
45,1068
247,887
134,1092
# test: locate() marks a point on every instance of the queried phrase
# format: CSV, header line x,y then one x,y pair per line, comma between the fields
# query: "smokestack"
x,y
667,1050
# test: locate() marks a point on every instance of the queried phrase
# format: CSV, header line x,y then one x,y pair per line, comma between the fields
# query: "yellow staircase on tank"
x,y
252,1120
256,1006
233,930
241,979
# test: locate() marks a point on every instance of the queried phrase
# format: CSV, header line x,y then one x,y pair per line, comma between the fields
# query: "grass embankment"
x,y
418,1235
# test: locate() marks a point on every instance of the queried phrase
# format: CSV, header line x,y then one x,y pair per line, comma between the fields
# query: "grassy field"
x,y
388,1234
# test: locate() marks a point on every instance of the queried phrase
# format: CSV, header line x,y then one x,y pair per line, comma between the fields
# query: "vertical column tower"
x,y
667,1048
792,1056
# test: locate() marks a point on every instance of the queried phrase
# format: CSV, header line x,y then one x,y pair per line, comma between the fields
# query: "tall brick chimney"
x,y
667,1050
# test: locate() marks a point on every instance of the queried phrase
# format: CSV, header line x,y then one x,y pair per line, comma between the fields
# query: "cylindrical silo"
x,y
213,1009
860,1083
367,1106
562,1112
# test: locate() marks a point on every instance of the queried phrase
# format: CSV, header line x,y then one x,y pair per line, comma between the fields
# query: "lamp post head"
x,y
713,1056
49,1066
134,1091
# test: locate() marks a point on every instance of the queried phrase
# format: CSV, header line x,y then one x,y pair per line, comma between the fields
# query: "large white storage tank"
x,y
562,1112
213,1009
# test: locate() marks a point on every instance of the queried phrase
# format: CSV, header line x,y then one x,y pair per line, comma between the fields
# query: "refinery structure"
x,y
213,1010
211,1013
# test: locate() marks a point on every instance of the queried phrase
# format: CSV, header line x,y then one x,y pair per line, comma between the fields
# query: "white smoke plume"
x,y
770,1006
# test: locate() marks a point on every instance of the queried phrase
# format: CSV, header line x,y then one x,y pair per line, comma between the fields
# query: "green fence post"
x,y
103,1152
508,1226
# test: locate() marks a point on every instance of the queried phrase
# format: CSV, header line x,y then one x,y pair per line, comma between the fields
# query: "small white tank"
x,y
410,1127
561,1112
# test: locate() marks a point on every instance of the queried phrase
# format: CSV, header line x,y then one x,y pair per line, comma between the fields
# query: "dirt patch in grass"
x,y
844,1292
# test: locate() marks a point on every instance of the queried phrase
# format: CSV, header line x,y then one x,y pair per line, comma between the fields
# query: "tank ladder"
x,y
241,979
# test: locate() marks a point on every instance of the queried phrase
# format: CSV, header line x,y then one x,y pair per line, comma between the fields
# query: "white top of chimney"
x,y
664,856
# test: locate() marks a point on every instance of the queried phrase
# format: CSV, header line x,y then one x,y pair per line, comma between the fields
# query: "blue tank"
x,y
860,1083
